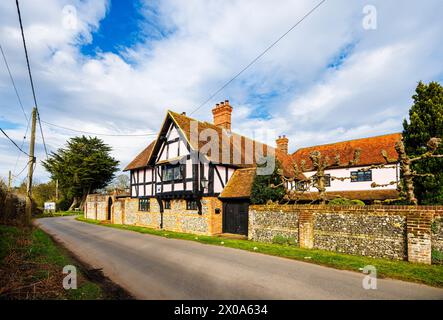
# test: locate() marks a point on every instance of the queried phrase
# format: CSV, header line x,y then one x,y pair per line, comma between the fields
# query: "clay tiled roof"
x,y
141,160
353,195
234,142
371,149
240,184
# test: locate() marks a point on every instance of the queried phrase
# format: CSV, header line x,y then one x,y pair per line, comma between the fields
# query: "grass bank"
x,y
402,270
31,265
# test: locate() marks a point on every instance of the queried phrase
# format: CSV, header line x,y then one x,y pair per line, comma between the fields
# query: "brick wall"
x,y
395,232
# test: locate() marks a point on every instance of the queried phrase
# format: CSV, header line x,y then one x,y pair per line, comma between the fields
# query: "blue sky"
x,y
118,29
125,25
122,64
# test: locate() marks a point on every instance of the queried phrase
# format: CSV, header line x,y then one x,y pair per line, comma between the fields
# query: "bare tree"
x,y
320,163
406,165
407,187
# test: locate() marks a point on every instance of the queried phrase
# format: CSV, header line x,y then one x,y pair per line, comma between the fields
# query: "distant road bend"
x,y
152,267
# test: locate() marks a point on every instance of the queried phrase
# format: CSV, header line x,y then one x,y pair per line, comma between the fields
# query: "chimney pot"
x,y
282,144
222,115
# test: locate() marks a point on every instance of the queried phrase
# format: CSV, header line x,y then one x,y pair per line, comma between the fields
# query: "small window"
x,y
301,186
327,180
191,205
143,204
167,204
360,176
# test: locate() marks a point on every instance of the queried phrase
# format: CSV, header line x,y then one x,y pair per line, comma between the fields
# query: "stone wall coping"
x,y
382,209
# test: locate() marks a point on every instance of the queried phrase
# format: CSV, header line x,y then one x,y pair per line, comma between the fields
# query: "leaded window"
x,y
362,175
143,204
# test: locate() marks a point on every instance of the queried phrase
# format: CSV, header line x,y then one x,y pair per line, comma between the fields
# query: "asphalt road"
x,y
152,267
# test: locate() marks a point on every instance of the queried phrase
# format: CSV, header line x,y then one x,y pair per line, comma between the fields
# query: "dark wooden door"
x,y
109,209
235,217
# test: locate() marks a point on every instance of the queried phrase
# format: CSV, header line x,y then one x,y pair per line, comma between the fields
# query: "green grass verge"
x,y
35,252
59,214
402,270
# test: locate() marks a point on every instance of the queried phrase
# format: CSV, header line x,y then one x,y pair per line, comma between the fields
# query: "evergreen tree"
x,y
83,166
425,122
268,187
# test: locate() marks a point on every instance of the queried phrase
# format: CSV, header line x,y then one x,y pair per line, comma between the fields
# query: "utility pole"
x,y
28,213
10,181
56,190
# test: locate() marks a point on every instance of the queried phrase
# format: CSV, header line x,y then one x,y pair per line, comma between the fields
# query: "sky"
x,y
117,66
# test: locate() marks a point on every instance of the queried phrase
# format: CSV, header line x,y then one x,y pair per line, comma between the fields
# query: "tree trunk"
x,y
408,175
73,204
83,202
84,196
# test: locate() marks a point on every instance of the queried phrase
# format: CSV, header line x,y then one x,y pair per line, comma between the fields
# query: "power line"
x,y
100,134
21,146
258,57
30,75
13,83
18,174
15,144
23,109
41,131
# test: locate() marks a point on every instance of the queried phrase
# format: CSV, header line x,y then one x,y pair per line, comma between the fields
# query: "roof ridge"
x,y
215,127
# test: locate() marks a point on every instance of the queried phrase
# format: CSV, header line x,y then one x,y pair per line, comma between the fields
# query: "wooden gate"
x,y
235,217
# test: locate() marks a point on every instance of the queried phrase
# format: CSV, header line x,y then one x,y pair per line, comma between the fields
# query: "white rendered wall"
x,y
379,176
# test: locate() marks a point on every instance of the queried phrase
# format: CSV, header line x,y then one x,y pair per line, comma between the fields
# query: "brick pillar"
x,y
306,230
419,237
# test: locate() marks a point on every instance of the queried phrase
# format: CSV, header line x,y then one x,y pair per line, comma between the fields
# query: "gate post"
x,y
419,237
306,230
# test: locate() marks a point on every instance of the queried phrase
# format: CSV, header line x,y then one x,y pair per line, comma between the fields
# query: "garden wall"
x,y
394,232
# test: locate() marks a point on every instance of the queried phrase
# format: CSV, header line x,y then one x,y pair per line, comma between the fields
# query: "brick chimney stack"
x,y
222,115
282,144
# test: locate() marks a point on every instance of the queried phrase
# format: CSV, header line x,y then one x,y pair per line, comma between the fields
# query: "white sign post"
x,y
49,206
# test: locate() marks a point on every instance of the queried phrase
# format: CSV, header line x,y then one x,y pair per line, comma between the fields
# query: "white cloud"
x,y
129,93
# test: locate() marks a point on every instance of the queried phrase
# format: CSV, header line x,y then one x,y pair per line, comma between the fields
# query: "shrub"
x,y
292,241
12,208
437,257
279,239
345,202
264,186
63,204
